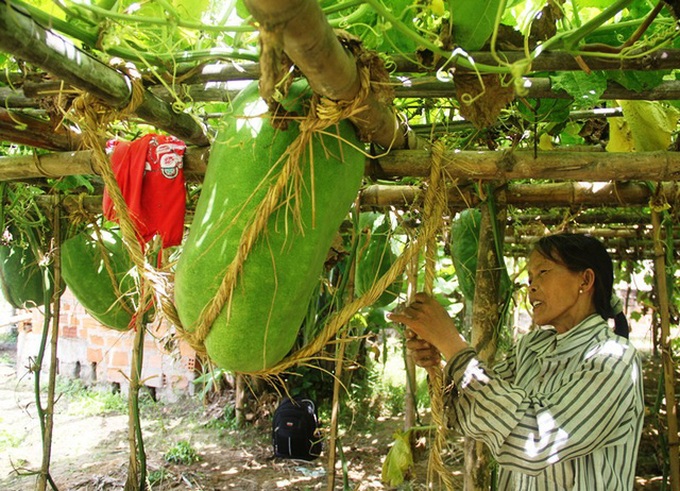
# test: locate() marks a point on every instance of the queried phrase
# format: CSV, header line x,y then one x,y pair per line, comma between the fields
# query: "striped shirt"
x,y
562,412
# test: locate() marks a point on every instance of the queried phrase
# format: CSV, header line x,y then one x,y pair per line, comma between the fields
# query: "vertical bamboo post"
x,y
483,337
335,411
48,421
409,364
136,479
665,348
239,404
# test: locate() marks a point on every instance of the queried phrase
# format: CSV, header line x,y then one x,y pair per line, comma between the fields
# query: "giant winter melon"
x,y
107,293
260,322
465,230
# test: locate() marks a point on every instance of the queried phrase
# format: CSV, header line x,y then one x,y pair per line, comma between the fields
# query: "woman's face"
x,y
554,293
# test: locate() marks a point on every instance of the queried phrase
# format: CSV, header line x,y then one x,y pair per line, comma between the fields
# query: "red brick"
x,y
94,355
69,331
95,340
120,359
154,360
116,375
185,349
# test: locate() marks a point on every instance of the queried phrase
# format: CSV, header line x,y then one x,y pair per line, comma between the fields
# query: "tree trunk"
x,y
485,321
666,352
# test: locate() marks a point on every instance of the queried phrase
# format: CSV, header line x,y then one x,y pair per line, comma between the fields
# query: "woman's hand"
x,y
431,323
423,353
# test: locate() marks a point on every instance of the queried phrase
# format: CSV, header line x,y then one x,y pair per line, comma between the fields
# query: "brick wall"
x,y
97,354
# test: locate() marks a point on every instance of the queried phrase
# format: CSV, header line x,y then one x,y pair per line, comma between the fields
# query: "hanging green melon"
x,y
110,296
20,276
259,324
375,257
465,229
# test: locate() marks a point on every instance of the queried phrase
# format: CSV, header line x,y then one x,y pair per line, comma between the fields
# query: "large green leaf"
x,y
544,110
637,80
473,22
585,88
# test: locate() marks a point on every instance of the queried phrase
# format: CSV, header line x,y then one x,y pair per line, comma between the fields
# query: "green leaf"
x,y
544,110
70,183
384,37
473,22
651,124
586,89
637,80
398,461
191,9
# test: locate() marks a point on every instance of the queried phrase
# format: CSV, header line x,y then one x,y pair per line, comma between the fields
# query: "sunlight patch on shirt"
x,y
473,371
536,445
609,348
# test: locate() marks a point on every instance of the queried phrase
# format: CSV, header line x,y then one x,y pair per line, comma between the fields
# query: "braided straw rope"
x,y
323,113
434,207
94,118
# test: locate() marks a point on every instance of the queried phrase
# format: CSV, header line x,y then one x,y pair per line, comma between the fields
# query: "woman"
x,y
564,411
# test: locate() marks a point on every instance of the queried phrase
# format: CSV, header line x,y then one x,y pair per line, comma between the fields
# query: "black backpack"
x,y
294,431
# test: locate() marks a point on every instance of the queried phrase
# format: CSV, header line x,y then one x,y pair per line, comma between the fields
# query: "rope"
x,y
94,118
435,205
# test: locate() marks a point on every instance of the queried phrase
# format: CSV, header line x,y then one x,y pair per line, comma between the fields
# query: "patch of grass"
x,y
158,476
181,453
9,336
86,400
9,440
89,401
226,423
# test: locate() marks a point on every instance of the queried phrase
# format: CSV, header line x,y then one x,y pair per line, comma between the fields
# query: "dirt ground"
x,y
90,453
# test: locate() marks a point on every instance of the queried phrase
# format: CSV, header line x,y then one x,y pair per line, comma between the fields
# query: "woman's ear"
x,y
588,279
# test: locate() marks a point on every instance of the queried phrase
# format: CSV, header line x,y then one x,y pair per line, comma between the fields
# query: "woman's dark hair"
x,y
578,252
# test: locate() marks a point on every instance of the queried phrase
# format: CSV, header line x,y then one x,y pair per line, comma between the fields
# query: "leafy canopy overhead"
x,y
168,40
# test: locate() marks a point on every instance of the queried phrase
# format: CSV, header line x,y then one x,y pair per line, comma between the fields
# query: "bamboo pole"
x,y
410,403
48,423
337,379
335,410
524,164
240,400
304,34
483,336
541,88
666,351
24,129
487,165
564,194
28,40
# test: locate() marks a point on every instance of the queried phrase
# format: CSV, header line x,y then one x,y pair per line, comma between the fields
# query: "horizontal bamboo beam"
x,y
547,61
489,165
25,129
619,249
565,194
28,40
626,216
585,166
429,87
60,164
